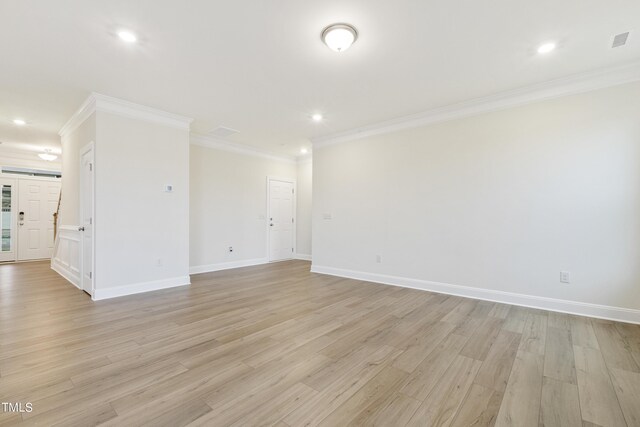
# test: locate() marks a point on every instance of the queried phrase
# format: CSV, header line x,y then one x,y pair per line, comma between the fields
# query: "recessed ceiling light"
x,y
546,47
127,36
19,122
317,117
47,155
339,37
303,151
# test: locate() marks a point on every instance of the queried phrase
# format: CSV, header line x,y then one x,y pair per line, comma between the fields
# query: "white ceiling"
x,y
260,67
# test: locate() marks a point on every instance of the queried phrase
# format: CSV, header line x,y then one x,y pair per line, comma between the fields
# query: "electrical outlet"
x,y
565,277
230,249
378,259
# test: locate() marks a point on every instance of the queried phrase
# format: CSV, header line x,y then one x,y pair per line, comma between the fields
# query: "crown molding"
x,y
98,102
87,108
574,84
220,144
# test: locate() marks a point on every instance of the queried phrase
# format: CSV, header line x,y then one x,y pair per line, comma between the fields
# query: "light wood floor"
x,y
277,345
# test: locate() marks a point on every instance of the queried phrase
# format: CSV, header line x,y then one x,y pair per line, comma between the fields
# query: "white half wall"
x,y
66,254
228,198
500,202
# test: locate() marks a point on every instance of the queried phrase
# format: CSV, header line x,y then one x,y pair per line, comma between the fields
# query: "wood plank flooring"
x,y
278,345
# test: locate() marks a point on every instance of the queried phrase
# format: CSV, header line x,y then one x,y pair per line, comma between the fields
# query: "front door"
x,y
281,220
37,202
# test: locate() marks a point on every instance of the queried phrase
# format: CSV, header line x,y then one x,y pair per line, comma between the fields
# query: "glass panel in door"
x,y
7,222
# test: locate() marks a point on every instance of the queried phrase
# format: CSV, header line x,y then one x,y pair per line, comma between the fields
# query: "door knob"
x,y
80,228
270,225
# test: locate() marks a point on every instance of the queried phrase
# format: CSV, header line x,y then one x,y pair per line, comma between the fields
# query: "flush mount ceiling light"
x,y
303,151
127,36
316,117
546,47
19,122
47,155
339,37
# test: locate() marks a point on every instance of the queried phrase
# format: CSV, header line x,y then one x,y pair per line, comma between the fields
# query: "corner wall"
x,y
228,197
494,206
304,203
142,231
71,146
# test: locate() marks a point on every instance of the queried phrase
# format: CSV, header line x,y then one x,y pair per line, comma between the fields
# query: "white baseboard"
x,y
304,257
564,306
198,269
71,276
137,288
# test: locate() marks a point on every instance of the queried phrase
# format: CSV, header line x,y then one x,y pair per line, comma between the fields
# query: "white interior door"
x,y
8,219
37,202
86,218
281,220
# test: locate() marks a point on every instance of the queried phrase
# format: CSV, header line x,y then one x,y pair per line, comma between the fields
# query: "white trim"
x,y
304,257
22,171
61,260
12,254
87,108
30,178
68,227
90,147
65,273
137,288
220,144
141,112
199,269
108,104
295,216
564,306
577,83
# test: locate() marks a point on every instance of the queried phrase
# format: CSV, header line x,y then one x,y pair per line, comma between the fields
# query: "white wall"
x,y
303,201
142,232
229,206
71,146
502,201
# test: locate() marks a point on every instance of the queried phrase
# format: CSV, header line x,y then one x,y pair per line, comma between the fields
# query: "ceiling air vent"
x,y
222,132
620,39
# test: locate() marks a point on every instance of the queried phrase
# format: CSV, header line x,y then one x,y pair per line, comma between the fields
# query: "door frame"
x,y
295,216
18,178
14,218
84,150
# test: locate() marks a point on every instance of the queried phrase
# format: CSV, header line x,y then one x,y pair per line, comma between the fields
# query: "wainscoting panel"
x,y
66,254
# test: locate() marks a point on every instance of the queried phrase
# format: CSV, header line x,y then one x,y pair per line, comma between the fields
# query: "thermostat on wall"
x,y
168,188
